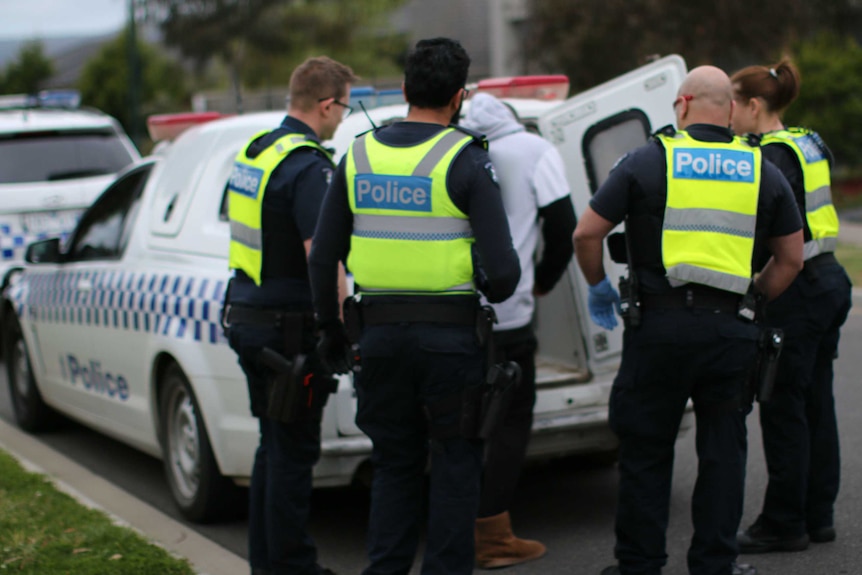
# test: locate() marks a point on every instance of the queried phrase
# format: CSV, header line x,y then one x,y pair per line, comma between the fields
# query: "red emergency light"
x,y
169,126
540,87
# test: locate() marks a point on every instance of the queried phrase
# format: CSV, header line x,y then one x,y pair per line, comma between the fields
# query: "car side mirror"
x,y
44,252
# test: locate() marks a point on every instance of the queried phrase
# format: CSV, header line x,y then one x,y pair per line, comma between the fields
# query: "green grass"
x,y
850,257
46,532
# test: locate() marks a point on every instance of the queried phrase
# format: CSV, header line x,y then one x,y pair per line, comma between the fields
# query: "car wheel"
x,y
31,412
199,489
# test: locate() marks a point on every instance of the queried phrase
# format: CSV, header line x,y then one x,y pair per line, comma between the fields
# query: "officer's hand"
x,y
602,301
334,348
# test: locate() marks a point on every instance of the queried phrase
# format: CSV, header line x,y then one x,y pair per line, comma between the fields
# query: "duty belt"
x,y
377,314
692,297
811,268
266,317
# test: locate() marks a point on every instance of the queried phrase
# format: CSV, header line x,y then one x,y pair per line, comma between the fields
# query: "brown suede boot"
x,y
497,546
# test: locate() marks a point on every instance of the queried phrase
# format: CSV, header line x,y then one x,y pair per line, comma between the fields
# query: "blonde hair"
x,y
316,79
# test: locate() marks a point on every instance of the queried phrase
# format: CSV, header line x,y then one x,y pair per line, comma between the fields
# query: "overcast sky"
x,y
31,19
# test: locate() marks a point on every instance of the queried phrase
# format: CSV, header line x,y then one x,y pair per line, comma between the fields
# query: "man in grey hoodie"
x,y
536,196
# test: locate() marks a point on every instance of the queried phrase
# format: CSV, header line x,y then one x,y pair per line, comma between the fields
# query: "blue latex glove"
x,y
602,301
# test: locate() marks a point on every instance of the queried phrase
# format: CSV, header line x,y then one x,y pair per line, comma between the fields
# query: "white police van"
x,y
55,159
118,327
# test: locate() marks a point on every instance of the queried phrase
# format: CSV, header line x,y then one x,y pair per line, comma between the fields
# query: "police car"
x,y
118,327
55,159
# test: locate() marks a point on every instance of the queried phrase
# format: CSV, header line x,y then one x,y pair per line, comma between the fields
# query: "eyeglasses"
x,y
347,109
682,98
466,94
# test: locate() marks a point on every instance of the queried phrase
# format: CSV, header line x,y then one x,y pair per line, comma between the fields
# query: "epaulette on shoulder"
x,y
477,137
668,130
752,140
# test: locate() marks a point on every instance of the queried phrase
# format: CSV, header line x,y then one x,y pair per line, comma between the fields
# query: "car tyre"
x,y
201,492
31,412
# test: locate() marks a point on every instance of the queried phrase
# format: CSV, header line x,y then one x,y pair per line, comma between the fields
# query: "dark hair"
x,y
778,85
316,78
436,69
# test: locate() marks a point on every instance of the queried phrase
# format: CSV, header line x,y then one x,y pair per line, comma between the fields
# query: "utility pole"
x,y
134,77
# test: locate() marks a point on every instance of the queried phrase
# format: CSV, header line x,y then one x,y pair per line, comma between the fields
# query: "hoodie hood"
x,y
488,115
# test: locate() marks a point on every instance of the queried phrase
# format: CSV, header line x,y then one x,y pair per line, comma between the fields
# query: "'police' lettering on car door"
x,y
386,192
92,378
705,164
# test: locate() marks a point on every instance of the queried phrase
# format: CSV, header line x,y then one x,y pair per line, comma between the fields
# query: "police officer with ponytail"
x,y
274,196
800,432
416,213
700,207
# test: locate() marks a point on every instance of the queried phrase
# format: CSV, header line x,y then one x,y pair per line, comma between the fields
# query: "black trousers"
x,y
800,431
506,449
674,355
404,368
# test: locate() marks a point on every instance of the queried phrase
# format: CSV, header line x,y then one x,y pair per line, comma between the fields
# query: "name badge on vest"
x,y
245,180
386,192
704,164
810,149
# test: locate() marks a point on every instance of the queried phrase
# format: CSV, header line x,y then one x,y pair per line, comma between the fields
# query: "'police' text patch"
x,y
245,180
810,149
705,164
386,192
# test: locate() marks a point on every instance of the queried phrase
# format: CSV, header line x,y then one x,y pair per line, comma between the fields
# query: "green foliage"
x,y
594,40
45,531
261,41
830,99
105,82
27,73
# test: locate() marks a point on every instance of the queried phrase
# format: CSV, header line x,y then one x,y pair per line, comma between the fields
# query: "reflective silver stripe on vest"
x,y
245,235
425,166
818,198
816,247
685,273
463,287
720,221
410,228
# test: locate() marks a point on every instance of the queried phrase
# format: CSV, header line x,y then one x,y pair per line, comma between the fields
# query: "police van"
x,y
55,159
118,327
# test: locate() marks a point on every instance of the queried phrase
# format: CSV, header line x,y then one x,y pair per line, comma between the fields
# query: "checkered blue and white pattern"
x,y
14,242
172,305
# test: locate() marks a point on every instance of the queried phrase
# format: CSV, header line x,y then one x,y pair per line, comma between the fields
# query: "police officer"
x,y
700,205
800,431
411,207
275,191
536,196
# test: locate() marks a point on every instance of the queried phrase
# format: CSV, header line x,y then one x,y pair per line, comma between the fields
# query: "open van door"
x,y
592,130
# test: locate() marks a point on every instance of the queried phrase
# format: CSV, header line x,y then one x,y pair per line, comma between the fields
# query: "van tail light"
x,y
543,87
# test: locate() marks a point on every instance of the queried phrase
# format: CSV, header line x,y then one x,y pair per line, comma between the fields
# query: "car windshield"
x,y
53,156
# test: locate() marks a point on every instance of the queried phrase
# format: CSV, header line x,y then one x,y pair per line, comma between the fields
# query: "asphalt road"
x,y
569,505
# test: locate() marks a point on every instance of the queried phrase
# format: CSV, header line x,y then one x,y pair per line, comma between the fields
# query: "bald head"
x,y
711,98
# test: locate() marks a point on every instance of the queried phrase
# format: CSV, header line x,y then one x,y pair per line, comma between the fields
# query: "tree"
x,y
105,82
28,71
830,99
258,40
594,40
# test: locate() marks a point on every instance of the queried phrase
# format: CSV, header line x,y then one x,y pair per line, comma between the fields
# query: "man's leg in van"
x,y
496,545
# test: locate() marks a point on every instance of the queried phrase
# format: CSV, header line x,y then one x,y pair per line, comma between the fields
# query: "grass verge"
x,y
850,257
46,532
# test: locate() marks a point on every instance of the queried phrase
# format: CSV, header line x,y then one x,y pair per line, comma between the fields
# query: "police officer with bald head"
x,y
700,206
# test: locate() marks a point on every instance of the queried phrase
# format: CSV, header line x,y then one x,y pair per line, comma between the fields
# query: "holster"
x,y
769,346
295,392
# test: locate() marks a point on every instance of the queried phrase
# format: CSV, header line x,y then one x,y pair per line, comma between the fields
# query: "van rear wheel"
x,y
200,491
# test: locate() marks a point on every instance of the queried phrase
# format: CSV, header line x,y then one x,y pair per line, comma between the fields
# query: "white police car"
x,y
55,159
119,326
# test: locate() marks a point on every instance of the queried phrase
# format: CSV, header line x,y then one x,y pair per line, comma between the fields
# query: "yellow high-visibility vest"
x,y
246,189
820,214
408,236
711,212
